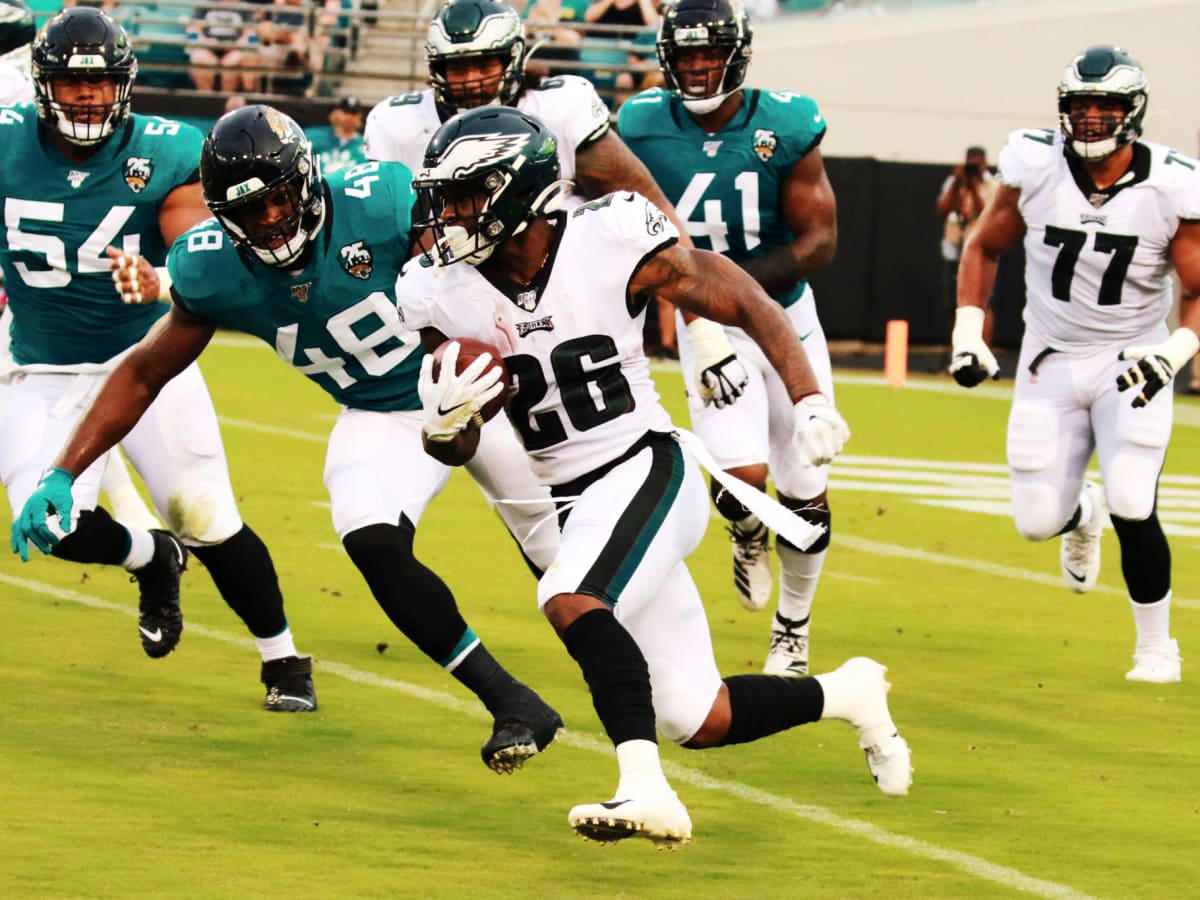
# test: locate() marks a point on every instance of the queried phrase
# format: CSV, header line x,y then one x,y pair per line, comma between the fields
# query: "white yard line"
x,y
974,866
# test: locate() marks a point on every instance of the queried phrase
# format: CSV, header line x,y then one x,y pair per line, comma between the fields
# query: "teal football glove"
x,y
52,497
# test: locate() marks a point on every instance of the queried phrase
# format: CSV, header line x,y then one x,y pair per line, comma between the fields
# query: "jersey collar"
x,y
1138,171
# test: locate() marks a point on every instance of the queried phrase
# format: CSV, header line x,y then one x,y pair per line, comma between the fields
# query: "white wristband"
x,y
709,342
968,325
1181,346
164,283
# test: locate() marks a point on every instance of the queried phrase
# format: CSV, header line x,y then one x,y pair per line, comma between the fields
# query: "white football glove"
x,y
720,376
971,361
821,432
452,402
1156,365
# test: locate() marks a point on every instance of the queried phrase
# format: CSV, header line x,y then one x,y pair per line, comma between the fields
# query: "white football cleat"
x,y
1158,665
1080,551
789,648
861,700
659,817
752,566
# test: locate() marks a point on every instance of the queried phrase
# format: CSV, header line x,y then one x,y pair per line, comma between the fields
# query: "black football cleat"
x,y
289,685
160,621
524,726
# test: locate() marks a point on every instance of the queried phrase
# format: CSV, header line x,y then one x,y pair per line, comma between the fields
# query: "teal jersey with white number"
x,y
335,320
726,186
60,216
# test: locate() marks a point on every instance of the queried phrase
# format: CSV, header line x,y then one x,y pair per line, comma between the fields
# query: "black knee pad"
x,y
815,512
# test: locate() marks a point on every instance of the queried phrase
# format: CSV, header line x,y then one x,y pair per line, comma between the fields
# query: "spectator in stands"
x,y
545,18
287,46
340,145
639,15
230,45
962,198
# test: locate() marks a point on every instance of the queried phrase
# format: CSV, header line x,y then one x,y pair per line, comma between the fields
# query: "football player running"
x,y
477,56
308,265
87,180
1105,216
556,292
744,170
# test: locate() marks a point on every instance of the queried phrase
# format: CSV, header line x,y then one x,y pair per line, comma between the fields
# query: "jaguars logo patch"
x,y
137,172
356,259
765,143
278,124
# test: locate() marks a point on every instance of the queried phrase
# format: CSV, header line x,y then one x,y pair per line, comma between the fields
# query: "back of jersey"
x,y
60,218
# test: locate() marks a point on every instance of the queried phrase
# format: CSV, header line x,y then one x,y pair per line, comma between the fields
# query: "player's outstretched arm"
x,y
174,342
999,227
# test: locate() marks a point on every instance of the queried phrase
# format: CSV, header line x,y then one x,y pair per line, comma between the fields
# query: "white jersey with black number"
x,y
1098,264
572,340
399,128
16,82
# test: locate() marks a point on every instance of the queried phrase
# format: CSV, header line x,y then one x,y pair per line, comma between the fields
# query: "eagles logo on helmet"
x,y
488,173
1104,73
472,30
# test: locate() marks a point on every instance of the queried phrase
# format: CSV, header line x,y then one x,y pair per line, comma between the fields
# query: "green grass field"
x,y
1039,770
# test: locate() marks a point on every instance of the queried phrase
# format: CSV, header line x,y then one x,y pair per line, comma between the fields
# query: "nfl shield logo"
x,y
138,170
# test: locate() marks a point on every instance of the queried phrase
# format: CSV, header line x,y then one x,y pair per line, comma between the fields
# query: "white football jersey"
x,y
16,82
572,340
1097,264
399,128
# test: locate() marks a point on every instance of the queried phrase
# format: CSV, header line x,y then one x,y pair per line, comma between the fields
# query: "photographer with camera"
x,y
964,194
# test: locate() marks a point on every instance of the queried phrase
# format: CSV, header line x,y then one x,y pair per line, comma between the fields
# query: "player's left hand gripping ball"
x,y
135,279
33,526
821,432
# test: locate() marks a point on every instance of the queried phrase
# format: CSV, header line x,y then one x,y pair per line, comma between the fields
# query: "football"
x,y
469,350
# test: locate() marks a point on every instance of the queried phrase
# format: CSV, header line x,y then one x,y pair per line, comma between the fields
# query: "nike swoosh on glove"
x,y
821,432
451,402
51,497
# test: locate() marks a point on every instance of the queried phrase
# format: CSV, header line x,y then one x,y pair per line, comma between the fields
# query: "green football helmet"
x,y
1102,71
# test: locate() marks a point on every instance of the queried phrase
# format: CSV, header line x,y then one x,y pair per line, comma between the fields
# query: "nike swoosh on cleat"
x,y
613,804
155,635
1080,578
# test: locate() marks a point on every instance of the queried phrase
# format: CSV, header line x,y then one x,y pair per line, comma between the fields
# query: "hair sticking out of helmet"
x,y
488,173
17,27
261,181
476,53
703,50
1102,100
87,58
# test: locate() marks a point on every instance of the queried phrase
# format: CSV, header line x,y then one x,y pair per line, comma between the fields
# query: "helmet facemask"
x,y
719,32
1110,77
475,30
81,46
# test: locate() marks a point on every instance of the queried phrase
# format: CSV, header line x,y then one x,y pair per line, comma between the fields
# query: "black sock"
x,y
616,673
766,704
242,570
97,538
481,674
416,600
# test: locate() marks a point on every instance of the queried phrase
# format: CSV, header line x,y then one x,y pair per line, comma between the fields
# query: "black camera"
x,y
971,169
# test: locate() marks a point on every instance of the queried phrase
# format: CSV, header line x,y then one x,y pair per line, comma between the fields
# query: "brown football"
x,y
469,350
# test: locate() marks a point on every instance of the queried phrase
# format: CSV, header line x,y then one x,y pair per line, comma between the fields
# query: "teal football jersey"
x,y
725,186
61,215
336,319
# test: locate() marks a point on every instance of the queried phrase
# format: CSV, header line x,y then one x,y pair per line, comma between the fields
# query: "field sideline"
x,y
1040,771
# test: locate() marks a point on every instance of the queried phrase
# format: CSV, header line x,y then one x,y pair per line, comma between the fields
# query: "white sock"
x,y
141,549
748,525
798,577
281,646
1086,509
640,768
1153,622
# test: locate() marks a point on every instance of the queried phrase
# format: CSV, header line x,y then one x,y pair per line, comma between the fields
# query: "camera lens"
x,y
971,168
